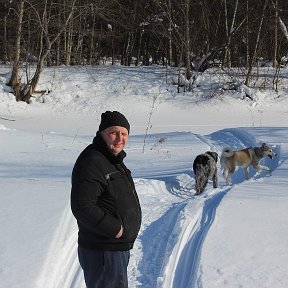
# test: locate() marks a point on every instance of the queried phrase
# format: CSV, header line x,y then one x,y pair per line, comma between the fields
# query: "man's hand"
x,y
120,233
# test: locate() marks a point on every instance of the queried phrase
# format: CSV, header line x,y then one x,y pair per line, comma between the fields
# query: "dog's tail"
x,y
227,152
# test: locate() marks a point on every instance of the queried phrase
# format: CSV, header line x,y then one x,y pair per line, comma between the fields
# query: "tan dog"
x,y
244,158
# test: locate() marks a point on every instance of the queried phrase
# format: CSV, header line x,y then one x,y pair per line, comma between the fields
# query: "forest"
x,y
191,34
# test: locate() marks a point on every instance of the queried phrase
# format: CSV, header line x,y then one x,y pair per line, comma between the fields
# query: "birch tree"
x,y
275,62
254,54
187,40
229,33
14,81
26,91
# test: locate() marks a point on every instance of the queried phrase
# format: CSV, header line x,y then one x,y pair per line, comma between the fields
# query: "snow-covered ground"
x,y
232,236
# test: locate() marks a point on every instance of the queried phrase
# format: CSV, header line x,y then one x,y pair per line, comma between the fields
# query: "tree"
x,y
5,10
23,91
187,40
229,33
275,62
14,81
254,54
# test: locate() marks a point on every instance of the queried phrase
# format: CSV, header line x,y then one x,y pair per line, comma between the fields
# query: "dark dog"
x,y
205,168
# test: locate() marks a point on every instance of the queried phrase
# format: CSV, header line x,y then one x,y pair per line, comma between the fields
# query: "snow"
x,y
231,236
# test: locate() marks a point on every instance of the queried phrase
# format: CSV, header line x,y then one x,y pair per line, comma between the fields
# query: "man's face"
x,y
116,137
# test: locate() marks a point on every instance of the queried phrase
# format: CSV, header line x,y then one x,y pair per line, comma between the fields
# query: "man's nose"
x,y
119,136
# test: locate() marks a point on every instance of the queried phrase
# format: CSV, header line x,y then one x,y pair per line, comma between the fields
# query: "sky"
x,y
231,236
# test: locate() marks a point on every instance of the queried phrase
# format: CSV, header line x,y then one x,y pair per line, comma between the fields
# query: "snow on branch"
x,y
283,28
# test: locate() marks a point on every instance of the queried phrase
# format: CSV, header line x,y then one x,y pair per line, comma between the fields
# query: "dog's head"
x,y
268,151
214,155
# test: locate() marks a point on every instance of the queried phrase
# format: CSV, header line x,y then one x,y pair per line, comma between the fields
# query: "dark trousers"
x,y
104,269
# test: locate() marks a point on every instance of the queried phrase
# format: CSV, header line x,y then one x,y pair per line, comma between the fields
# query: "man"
x,y
106,206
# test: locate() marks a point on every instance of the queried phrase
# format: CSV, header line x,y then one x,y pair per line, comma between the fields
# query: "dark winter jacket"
x,y
103,198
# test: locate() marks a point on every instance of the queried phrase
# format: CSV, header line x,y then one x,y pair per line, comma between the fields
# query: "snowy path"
x,y
167,253
184,226
175,245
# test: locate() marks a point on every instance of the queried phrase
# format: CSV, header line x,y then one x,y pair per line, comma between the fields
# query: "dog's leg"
x,y
227,176
204,183
197,187
198,184
201,182
262,167
245,169
215,179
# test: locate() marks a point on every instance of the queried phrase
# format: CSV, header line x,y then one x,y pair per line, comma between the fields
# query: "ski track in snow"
x,y
159,234
191,227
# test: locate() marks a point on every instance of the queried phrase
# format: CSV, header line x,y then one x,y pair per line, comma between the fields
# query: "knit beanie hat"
x,y
114,118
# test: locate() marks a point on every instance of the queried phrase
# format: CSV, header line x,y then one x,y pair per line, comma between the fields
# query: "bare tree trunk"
x,y
229,33
5,35
68,46
179,70
14,81
112,48
275,62
127,49
27,93
58,43
68,40
91,53
79,47
226,59
58,51
253,59
247,36
170,34
146,51
187,41
204,12
29,41
139,46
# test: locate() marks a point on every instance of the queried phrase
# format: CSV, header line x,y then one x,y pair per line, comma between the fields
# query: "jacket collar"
x,y
100,145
